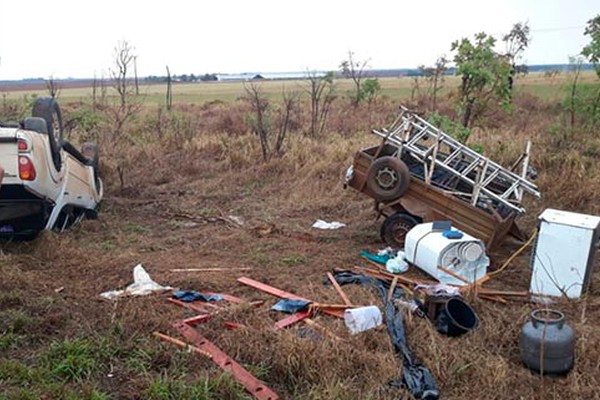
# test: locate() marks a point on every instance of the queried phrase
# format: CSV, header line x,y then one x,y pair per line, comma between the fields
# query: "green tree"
x,y
484,75
592,50
370,89
516,41
592,53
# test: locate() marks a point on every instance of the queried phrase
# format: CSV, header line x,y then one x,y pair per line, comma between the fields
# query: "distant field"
x,y
201,92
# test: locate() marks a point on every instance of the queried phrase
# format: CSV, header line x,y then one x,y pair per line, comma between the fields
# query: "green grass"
x,y
393,87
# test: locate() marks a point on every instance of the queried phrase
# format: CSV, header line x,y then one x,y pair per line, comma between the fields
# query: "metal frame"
x,y
489,181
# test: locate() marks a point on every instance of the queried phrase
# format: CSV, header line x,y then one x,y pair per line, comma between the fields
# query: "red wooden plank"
x,y
254,386
197,307
227,297
263,287
292,319
198,319
232,325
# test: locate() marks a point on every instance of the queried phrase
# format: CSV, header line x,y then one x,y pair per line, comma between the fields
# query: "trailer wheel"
x,y
395,227
48,109
388,178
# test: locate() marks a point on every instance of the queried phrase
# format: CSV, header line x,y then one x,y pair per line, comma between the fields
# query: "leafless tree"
x,y
267,118
123,57
135,75
259,104
52,86
289,107
169,91
355,70
94,91
127,107
435,78
321,92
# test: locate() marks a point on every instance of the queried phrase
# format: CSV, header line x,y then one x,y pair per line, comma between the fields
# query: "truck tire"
x,y
395,227
48,109
388,178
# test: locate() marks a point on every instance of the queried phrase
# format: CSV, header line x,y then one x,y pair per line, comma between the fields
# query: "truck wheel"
x,y
48,109
395,227
388,178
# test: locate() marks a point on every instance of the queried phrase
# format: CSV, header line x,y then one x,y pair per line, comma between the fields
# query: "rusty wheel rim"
x,y
386,178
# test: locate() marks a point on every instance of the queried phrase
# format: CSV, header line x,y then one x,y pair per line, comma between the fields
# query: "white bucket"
x,y
362,319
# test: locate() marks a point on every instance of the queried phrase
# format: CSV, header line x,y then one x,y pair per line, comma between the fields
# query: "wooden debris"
x,y
282,294
254,386
338,288
182,344
209,269
293,319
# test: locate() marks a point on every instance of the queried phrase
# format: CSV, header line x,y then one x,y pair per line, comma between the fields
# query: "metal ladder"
x,y
488,180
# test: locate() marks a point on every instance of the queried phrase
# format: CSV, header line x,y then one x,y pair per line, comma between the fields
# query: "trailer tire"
x,y
388,178
48,109
395,227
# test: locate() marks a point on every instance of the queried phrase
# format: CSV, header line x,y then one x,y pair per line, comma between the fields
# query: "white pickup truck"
x,y
45,182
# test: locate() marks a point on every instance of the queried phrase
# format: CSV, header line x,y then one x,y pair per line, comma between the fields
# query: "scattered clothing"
x,y
291,306
189,296
439,289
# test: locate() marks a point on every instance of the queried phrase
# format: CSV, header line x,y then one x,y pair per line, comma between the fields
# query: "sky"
x,y
77,38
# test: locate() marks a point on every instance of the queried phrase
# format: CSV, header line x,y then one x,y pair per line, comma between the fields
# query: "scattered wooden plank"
x,y
497,299
263,287
338,288
209,269
198,319
254,386
282,294
311,322
182,344
392,288
292,319
199,308
233,325
492,292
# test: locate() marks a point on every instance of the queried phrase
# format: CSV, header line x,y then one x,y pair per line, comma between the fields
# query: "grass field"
x,y
173,183
401,87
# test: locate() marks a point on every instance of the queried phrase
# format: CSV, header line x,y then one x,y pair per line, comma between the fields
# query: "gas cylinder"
x,y
547,343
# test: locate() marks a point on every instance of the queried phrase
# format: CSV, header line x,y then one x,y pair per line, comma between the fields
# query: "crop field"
x,y
188,189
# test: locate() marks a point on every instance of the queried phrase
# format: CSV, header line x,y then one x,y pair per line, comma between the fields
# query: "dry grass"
x,y
205,165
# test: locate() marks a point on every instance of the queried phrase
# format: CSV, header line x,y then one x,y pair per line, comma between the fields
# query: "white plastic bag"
x,y
141,286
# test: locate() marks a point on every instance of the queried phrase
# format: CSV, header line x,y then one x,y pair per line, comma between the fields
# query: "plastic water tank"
x,y
427,248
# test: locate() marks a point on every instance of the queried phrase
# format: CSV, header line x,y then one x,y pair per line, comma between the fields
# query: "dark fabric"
x,y
189,296
290,306
415,376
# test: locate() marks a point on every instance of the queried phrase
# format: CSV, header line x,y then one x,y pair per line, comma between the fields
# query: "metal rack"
x,y
482,181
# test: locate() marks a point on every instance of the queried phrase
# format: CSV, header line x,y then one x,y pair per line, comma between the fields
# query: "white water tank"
x,y
434,244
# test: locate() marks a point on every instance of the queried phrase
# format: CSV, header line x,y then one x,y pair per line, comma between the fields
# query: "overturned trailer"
x,y
418,173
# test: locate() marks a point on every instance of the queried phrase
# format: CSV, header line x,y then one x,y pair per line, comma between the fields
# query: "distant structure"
x,y
248,76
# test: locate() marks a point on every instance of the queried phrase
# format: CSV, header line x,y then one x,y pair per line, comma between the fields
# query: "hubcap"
x,y
386,178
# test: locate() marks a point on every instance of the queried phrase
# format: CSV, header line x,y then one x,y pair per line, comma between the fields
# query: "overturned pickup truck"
x,y
45,182
419,173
